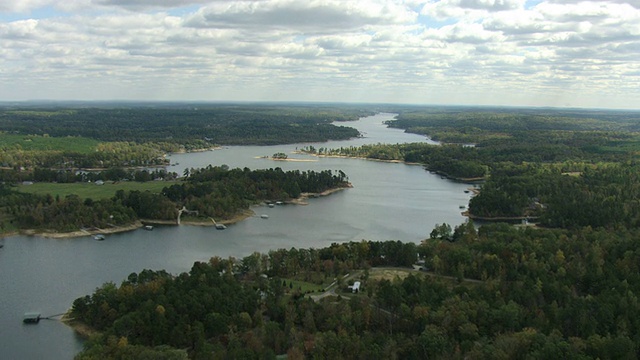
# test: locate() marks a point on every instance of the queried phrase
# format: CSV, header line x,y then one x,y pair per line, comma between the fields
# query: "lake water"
x,y
389,201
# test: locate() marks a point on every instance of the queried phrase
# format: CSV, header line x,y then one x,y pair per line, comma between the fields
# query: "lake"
x,y
388,201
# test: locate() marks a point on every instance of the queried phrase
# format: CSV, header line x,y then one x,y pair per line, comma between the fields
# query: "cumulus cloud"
x,y
149,4
510,52
634,3
444,9
327,15
491,5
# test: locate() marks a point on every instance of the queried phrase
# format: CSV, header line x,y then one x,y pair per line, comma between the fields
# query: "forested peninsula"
x,y
209,194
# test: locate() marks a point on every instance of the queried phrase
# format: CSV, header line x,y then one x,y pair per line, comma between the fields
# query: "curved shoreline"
x,y
302,199
79,233
441,173
242,215
79,327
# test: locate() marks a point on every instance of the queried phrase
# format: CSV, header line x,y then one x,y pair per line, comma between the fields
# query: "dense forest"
x,y
185,123
495,293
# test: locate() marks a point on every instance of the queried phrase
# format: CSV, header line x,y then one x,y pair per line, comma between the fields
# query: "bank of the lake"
x,y
80,328
468,180
194,221
81,233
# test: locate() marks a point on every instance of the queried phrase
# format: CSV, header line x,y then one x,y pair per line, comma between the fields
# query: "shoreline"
x,y
458,179
302,199
242,215
78,327
80,233
359,158
185,151
287,159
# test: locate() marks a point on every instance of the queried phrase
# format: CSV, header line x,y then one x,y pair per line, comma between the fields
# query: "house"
x,y
355,288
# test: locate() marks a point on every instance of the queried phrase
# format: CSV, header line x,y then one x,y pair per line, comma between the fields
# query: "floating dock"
x,y
31,318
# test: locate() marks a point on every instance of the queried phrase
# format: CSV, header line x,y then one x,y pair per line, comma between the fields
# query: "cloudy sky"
x,y
486,52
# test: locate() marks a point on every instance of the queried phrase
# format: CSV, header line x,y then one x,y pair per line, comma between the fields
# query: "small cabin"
x,y
31,318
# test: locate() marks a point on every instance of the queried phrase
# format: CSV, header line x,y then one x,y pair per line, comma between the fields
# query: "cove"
x,y
388,201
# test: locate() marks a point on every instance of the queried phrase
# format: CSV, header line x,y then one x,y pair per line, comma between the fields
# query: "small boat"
x,y
98,237
264,216
148,227
279,203
462,206
220,226
271,205
466,191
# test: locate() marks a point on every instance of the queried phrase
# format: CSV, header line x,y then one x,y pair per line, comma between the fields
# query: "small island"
x,y
279,156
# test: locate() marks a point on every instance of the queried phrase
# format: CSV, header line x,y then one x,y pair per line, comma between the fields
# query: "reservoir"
x,y
388,201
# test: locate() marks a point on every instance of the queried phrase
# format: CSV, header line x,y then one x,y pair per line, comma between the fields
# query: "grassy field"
x,y
303,286
90,190
31,142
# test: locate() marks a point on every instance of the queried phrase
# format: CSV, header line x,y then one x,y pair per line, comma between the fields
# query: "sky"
x,y
558,53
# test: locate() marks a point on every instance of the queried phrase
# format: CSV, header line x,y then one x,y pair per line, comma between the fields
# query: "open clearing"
x,y
91,190
389,274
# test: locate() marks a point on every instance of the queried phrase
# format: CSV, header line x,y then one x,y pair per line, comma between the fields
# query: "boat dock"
x,y
35,317
31,318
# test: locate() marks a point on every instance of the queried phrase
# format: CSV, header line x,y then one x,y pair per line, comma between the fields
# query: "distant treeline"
x,y
40,174
214,124
103,137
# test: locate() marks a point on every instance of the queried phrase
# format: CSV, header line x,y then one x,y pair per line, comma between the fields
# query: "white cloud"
x,y
450,51
313,15
148,4
443,9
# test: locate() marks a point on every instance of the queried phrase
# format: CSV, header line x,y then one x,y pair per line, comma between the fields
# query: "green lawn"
x,y
74,144
303,286
90,190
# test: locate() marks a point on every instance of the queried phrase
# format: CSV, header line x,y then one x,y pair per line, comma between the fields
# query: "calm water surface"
x,y
388,202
